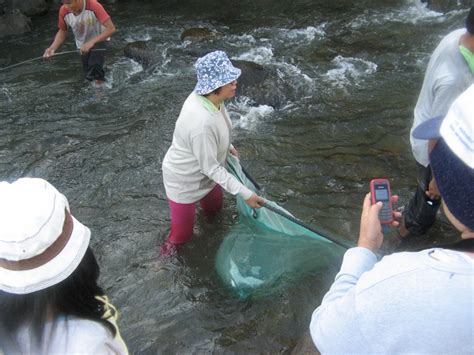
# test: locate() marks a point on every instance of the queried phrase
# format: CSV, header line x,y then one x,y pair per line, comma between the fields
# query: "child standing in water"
x,y
92,26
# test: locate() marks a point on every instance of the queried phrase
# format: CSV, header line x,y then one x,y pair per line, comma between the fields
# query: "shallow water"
x,y
348,79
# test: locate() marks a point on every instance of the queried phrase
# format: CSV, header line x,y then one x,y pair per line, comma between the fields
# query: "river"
x,y
348,76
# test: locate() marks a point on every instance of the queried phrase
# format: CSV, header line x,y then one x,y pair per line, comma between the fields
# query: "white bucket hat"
x,y
41,244
213,71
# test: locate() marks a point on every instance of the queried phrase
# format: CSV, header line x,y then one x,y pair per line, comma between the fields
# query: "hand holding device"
x,y
380,191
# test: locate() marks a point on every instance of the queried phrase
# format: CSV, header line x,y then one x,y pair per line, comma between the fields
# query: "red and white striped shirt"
x,y
87,24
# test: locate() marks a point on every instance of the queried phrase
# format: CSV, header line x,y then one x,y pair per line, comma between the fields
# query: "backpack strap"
x,y
111,315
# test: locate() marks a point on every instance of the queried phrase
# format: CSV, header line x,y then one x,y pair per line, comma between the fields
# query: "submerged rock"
x,y
255,82
140,51
14,24
28,7
198,34
260,83
252,73
14,14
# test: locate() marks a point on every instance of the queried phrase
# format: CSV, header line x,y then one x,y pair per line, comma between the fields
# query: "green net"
x,y
268,247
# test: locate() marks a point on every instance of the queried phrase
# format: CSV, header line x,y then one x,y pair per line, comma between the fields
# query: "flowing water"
x,y
347,76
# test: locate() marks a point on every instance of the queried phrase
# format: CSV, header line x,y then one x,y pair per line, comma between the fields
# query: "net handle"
x,y
304,225
290,217
55,55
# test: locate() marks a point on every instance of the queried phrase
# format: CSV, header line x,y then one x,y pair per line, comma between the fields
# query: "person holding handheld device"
x,y
411,302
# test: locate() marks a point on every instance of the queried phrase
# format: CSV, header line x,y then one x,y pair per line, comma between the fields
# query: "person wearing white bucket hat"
x,y
49,298
193,167
411,302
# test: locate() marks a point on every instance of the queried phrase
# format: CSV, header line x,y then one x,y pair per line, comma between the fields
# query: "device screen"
x,y
380,189
381,193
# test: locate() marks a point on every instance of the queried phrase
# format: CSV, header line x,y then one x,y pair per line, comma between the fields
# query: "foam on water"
x,y
141,36
259,55
293,71
246,116
263,45
166,58
239,40
349,70
414,13
286,71
7,94
306,34
122,71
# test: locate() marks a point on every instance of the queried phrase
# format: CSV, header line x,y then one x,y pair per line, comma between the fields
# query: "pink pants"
x,y
183,215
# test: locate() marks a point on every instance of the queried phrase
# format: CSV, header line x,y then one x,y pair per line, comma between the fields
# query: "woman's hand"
x,y
255,201
370,235
234,152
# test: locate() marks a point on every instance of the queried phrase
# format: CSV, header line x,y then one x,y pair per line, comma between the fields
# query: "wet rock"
x,y
261,84
252,73
198,34
14,24
27,7
252,82
13,15
140,51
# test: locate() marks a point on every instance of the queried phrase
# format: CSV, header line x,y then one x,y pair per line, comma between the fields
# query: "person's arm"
x,y
204,147
109,30
58,40
334,326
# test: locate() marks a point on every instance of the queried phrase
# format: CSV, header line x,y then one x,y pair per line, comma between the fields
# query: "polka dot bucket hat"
x,y
214,70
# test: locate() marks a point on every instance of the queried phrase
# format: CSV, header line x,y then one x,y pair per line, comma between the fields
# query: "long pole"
x,y
304,225
37,58
252,180
290,217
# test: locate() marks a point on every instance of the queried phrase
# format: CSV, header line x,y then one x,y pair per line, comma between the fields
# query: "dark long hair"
x,y
74,296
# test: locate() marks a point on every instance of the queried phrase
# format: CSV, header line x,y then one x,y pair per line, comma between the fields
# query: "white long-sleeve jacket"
x,y
195,161
447,76
407,303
